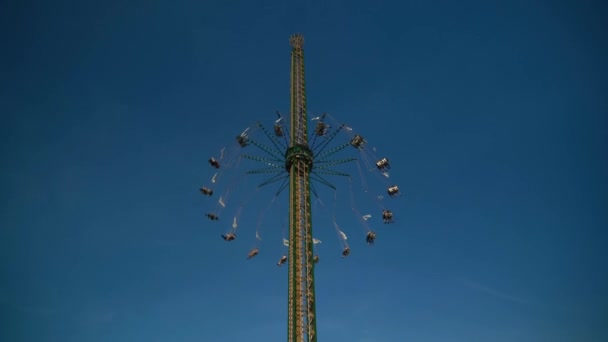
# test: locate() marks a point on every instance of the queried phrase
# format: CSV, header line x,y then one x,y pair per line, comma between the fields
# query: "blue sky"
x,y
493,114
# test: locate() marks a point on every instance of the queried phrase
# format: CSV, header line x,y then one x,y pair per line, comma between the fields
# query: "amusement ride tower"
x,y
298,162
299,165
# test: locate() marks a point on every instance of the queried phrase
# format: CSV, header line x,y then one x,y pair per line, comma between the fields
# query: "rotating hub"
x,y
298,153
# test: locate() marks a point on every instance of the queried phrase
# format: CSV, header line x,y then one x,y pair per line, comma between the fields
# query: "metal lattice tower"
x,y
299,159
299,164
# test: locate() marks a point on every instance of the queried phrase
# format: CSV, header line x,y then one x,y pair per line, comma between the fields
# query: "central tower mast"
x,y
299,159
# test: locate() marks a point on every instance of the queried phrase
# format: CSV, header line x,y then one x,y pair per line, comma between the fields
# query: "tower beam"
x,y
299,157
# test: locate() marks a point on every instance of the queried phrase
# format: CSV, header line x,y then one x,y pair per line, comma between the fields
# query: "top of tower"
x,y
296,40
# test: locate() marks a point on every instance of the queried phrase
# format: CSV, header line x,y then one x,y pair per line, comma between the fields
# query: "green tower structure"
x,y
297,164
302,323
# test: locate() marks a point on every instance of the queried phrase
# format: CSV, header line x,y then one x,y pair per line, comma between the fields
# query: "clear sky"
x,y
492,113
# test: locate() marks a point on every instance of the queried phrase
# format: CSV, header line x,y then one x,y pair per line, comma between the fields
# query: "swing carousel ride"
x,y
273,175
